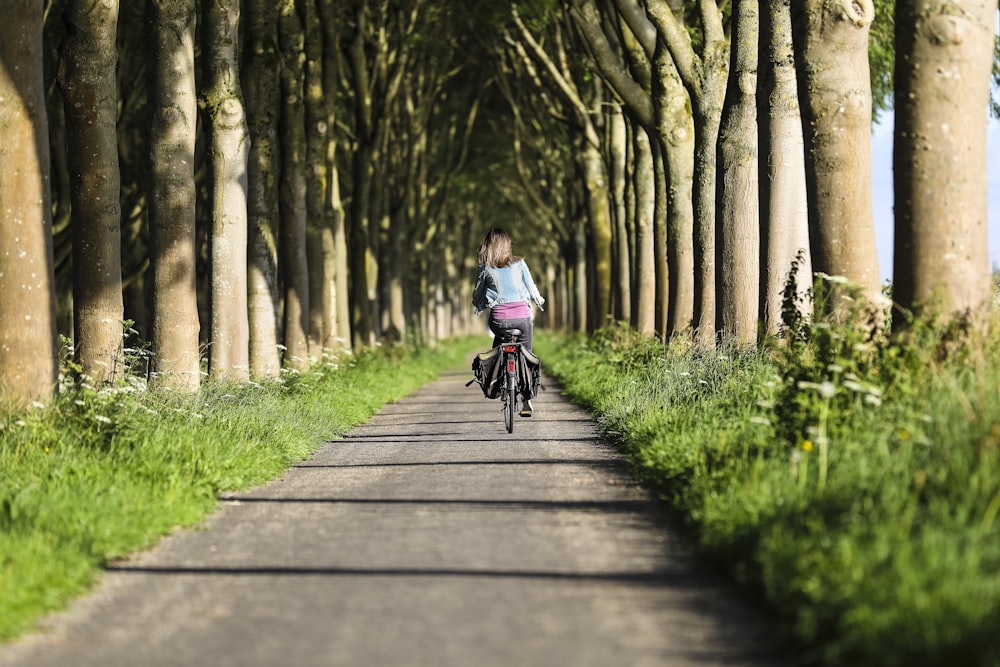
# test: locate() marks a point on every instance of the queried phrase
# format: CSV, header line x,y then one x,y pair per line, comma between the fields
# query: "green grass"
x,y
853,487
98,475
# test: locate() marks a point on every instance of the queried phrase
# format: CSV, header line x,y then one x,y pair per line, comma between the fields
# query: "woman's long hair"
x,y
495,250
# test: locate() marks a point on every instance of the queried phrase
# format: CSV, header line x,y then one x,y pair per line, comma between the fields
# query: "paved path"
x,y
430,537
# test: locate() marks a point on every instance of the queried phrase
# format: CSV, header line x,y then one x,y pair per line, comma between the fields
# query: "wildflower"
x,y
904,434
807,445
826,389
102,419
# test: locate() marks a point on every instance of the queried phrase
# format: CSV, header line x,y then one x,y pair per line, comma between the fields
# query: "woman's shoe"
x,y
526,409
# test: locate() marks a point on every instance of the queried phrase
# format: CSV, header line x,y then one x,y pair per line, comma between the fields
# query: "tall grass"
x,y
101,473
850,482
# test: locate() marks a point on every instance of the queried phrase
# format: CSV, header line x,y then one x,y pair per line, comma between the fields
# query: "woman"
x,y
504,287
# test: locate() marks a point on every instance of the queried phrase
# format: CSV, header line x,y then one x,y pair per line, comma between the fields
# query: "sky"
x,y
882,199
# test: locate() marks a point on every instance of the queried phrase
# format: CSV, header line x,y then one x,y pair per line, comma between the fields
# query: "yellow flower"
x,y
904,434
807,445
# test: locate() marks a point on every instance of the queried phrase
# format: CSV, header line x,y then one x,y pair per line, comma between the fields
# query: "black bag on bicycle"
x,y
488,370
529,371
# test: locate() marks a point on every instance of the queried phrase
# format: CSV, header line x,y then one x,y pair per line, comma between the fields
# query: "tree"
x,y
944,56
90,95
293,188
703,73
831,53
784,204
738,210
27,310
262,94
174,105
229,353
585,105
660,105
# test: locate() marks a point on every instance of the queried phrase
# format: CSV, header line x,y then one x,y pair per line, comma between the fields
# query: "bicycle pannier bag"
x,y
487,368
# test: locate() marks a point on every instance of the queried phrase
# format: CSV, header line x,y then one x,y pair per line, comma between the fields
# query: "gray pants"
x,y
500,327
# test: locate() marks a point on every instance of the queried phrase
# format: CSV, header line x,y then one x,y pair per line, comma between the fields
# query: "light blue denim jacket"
x,y
507,285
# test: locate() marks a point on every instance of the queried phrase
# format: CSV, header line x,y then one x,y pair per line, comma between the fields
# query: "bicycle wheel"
x,y
510,402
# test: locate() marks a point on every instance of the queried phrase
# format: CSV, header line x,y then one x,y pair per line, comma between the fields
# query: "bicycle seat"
x,y
512,335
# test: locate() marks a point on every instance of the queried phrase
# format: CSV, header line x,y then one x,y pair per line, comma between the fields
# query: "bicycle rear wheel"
x,y
510,402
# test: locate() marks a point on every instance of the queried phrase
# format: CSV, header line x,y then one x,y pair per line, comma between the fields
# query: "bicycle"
x,y
510,348
507,372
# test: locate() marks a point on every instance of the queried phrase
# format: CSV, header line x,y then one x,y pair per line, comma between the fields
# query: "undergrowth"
x,y
849,480
100,473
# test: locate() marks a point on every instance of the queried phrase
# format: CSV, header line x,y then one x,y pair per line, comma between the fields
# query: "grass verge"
x,y
853,486
100,474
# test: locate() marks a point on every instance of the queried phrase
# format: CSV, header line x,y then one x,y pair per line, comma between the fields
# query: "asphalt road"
x,y
429,536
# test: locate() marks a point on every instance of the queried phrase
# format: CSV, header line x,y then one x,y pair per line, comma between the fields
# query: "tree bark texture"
x,y
90,97
675,127
317,115
262,95
292,188
831,43
172,205
739,211
617,152
944,55
229,349
645,243
784,204
27,308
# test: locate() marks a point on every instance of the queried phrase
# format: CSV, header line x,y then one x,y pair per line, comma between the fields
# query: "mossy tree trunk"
x,y
738,209
229,349
292,188
262,95
174,104
90,95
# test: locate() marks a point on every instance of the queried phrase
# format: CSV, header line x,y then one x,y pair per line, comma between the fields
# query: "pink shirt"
x,y
511,311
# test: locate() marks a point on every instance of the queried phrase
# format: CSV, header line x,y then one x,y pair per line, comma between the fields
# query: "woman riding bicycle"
x,y
505,288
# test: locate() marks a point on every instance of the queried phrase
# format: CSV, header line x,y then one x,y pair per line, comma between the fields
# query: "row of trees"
x,y
255,183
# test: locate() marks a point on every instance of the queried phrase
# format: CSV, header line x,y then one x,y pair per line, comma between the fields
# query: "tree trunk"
x,y
262,92
831,42
617,151
704,78
739,246
675,126
317,115
784,207
661,236
580,286
599,219
331,19
944,52
645,242
28,368
229,352
292,188
174,105
90,96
